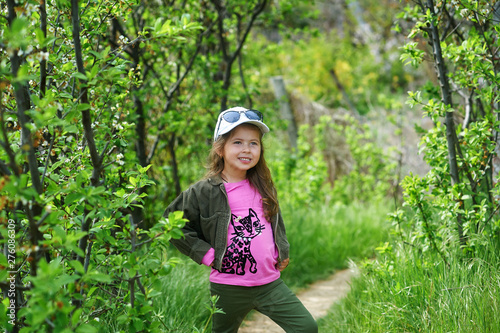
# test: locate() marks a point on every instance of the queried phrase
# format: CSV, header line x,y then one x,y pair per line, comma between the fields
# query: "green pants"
x,y
274,300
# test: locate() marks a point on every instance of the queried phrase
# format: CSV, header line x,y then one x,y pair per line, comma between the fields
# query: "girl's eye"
x,y
237,142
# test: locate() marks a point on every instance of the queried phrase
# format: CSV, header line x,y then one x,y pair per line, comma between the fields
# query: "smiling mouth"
x,y
244,159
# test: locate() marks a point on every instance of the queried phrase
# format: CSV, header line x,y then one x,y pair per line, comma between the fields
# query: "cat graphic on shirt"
x,y
238,251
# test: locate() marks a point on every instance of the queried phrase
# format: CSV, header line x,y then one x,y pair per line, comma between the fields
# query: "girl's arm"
x,y
281,240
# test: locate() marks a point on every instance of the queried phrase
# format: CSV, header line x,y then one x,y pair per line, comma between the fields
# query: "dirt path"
x,y
318,298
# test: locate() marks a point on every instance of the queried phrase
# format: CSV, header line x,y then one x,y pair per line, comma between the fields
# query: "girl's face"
x,y
241,151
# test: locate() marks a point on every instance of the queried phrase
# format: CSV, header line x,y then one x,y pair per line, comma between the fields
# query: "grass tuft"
x,y
411,292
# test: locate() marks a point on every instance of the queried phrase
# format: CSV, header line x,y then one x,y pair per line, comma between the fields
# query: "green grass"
x,y
187,294
324,238
185,297
408,292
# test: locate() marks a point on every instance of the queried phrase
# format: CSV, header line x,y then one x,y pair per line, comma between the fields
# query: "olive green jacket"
x,y
206,207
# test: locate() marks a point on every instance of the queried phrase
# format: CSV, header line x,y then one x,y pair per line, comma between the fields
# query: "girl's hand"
x,y
282,265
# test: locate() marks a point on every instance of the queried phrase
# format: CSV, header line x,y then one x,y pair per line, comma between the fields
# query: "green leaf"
x,y
79,75
67,66
120,193
176,234
133,181
165,28
86,328
138,324
122,319
145,169
63,94
83,106
71,129
64,279
3,260
93,72
99,277
60,232
75,318
39,36
175,216
72,197
77,266
91,291
4,274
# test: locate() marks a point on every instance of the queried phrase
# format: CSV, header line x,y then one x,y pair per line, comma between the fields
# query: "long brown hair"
x,y
259,176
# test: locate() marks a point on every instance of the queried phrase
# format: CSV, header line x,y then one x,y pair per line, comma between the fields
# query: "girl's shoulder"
x,y
213,180
205,184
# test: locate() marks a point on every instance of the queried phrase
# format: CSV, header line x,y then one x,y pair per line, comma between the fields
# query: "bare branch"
x,y
175,87
48,157
228,58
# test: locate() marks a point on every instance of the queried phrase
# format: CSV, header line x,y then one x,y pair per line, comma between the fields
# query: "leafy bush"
x,y
440,271
453,206
73,165
184,305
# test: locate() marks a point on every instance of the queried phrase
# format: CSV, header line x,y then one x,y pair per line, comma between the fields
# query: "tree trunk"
x,y
175,169
451,135
89,134
285,109
23,102
140,130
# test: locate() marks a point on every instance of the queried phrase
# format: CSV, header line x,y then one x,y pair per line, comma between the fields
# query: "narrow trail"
x,y
318,298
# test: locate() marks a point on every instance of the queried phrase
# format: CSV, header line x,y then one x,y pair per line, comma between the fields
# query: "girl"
x,y
235,227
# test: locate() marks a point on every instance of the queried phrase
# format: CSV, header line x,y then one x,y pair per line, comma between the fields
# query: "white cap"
x,y
223,126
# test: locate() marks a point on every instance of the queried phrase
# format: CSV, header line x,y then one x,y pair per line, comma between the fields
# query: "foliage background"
x,y
107,112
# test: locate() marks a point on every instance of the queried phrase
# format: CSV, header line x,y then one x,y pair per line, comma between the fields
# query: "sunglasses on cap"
x,y
233,116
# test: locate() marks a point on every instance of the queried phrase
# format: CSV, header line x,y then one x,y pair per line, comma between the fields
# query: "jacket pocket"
x,y
209,227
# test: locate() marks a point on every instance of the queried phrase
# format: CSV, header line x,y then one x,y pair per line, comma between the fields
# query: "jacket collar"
x,y
215,180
